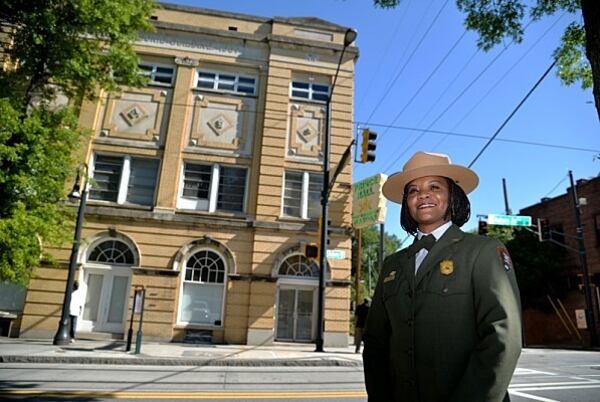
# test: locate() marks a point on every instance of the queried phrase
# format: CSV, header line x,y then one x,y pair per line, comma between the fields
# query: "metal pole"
x,y
589,311
370,267
130,331
62,334
506,207
140,334
358,268
325,207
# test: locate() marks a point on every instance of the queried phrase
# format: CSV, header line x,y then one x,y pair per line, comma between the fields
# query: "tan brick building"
x,y
206,186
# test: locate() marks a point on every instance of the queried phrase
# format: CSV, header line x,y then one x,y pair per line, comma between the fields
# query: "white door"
x,y
105,300
295,314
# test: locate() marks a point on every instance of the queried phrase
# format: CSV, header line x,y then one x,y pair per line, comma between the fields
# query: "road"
x,y
543,375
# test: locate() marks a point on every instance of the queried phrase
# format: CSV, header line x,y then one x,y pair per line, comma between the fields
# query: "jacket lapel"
x,y
450,237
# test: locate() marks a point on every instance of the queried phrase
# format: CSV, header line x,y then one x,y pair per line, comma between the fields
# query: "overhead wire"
x,y
491,89
381,125
426,81
556,186
385,53
510,116
393,82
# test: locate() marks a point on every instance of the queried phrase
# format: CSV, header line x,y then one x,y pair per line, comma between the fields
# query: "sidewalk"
x,y
14,350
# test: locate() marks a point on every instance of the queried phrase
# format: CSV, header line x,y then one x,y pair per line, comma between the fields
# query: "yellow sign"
x,y
368,205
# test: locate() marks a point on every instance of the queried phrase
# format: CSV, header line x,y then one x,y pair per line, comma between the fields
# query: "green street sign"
x,y
336,254
509,220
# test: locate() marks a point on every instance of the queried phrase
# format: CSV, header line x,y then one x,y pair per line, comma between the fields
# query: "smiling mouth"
x,y
424,206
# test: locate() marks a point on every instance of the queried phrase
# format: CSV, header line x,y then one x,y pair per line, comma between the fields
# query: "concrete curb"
x,y
154,361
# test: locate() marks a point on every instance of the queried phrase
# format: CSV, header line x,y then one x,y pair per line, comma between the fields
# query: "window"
x,y
213,187
161,75
124,179
302,194
112,252
203,289
298,265
310,90
226,82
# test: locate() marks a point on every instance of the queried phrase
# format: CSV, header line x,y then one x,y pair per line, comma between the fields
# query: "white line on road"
x,y
529,396
523,371
557,388
550,384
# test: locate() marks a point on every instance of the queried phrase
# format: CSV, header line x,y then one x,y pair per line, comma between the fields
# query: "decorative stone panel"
x,y
135,115
223,123
305,138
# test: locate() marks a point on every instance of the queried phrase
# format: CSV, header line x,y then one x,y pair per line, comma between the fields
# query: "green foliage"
x,y
70,47
77,45
572,63
370,255
538,265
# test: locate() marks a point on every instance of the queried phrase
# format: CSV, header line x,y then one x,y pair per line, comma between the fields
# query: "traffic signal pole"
x,y
589,311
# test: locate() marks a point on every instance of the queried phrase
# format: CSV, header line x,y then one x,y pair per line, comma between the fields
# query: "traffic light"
x,y
482,228
543,229
311,250
368,146
328,234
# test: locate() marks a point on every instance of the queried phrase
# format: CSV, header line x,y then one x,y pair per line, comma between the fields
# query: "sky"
x,y
421,73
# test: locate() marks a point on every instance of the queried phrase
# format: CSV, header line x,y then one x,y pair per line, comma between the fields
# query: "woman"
x,y
444,323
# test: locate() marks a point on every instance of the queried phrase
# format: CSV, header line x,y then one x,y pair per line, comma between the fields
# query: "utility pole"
x,y
381,243
358,267
589,311
506,207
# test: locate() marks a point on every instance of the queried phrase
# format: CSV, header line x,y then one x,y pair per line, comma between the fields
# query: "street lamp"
x,y
78,192
349,37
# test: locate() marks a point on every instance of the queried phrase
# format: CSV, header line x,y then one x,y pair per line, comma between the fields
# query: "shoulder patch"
x,y
504,257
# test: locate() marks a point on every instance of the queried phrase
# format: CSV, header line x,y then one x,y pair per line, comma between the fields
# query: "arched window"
x,y
299,266
114,252
203,288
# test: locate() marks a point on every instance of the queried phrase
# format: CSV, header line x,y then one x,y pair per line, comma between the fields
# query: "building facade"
x,y
560,213
206,186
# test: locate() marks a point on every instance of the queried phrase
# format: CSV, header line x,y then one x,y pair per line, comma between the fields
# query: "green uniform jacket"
x,y
452,333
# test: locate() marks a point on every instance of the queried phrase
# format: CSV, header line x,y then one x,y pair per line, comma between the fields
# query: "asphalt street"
x,y
543,375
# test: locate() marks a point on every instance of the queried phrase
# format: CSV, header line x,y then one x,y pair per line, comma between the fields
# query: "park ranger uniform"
x,y
449,333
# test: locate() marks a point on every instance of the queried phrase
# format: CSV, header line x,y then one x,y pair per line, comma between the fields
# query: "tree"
x,y
49,48
538,265
578,54
370,256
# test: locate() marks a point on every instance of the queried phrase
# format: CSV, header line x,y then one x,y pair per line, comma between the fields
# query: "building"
x,y
560,214
206,186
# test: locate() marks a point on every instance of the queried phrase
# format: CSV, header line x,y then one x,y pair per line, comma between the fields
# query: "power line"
x,y
480,100
481,137
557,184
510,116
385,53
426,81
451,104
391,85
388,126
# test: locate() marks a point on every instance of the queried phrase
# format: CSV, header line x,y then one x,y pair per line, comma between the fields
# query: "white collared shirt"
x,y
437,233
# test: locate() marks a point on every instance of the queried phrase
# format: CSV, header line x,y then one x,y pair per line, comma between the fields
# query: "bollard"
x,y
134,310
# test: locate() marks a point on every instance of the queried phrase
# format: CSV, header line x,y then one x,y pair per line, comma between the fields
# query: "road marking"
x,y
550,384
529,396
533,388
188,395
523,371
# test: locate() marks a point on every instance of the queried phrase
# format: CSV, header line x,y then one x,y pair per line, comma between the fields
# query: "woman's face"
x,y
427,201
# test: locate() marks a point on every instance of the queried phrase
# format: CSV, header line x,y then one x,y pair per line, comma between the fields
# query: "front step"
x,y
99,336
198,336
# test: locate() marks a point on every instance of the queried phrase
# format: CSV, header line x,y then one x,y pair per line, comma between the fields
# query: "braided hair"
x,y
459,208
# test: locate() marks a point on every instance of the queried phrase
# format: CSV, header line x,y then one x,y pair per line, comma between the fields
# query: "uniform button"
x,y
445,290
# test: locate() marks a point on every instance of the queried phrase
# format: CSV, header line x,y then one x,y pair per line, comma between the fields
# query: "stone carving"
x,y
186,61
223,123
135,115
306,130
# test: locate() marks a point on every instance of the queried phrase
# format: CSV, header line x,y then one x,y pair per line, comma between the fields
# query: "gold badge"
x,y
391,276
446,267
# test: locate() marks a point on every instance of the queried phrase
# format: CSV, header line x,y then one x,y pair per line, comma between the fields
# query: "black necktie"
x,y
425,242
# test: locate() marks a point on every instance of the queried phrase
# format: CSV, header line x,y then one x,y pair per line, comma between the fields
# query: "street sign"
x,y
368,205
336,254
508,220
